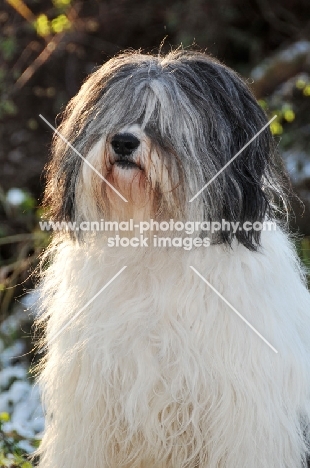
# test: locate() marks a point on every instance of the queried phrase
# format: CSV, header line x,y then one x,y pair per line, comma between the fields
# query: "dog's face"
x,y
158,129
132,166
142,167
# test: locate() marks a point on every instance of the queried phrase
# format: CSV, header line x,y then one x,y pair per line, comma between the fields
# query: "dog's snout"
x,y
124,143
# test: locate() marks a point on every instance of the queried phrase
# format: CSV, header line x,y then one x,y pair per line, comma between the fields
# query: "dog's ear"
x,y
62,175
242,192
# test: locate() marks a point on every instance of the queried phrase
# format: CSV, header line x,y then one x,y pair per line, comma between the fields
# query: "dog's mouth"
x,y
125,163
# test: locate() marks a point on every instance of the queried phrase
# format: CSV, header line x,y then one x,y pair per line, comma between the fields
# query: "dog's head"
x,y
158,129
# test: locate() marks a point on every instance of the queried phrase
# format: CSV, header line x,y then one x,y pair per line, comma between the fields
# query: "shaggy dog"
x,y
154,369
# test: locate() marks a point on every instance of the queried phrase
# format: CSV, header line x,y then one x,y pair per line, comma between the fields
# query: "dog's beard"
x,y
131,178
149,180
134,186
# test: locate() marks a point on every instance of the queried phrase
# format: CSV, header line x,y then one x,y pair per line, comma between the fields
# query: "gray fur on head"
x,y
197,113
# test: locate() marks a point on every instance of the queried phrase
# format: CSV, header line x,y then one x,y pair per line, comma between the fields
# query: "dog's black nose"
x,y
124,143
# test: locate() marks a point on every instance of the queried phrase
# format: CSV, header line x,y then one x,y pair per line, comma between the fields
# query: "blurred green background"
x,y
48,47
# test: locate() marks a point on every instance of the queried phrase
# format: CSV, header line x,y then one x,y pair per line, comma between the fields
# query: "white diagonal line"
x,y
83,308
232,159
82,157
235,310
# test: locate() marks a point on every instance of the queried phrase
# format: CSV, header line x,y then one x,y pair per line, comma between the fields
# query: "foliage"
x,y
288,103
7,105
45,27
8,47
19,252
11,454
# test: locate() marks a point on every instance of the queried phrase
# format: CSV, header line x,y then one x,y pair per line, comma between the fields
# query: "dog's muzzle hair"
x,y
172,123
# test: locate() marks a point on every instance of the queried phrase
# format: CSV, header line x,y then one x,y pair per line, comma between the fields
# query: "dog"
x,y
155,369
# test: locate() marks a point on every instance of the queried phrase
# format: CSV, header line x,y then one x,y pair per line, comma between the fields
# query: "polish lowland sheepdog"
x,y
156,369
